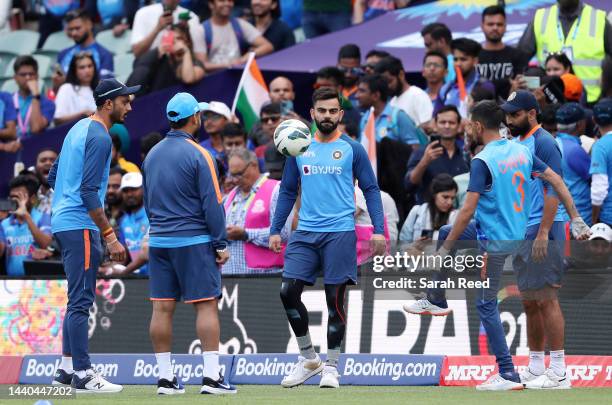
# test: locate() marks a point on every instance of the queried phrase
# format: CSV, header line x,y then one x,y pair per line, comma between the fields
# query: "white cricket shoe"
x,y
550,381
498,383
527,377
329,377
94,383
302,371
424,307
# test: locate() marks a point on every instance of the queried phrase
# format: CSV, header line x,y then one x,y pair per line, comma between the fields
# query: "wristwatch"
x,y
223,250
36,97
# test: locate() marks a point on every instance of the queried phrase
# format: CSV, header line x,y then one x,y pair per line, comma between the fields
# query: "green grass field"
x,y
266,394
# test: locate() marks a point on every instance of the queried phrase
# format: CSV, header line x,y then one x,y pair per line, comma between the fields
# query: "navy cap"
x,y
108,89
570,113
183,105
602,111
520,100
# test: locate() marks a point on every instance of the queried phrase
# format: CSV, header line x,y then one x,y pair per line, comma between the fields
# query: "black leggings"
x,y
291,292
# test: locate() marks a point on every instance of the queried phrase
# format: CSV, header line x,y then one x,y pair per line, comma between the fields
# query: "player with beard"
x,y
539,266
498,62
79,28
79,176
325,239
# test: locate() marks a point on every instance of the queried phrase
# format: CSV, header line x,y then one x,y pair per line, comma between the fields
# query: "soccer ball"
x,y
292,137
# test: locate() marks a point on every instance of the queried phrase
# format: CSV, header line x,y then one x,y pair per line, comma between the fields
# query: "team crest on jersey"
x,y
512,96
337,155
258,206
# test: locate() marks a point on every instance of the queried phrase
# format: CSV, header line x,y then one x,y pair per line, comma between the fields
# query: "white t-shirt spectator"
x,y
389,209
73,99
146,19
416,103
224,47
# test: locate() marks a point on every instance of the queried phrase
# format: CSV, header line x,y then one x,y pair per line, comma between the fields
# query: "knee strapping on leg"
x,y
290,294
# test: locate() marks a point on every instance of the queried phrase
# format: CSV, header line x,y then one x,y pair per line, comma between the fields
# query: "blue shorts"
x,y
333,253
533,275
189,273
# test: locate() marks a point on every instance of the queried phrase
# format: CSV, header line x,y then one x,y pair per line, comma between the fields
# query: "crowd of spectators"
x,y
423,159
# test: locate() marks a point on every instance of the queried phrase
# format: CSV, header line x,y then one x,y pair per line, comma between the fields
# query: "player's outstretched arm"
x,y
580,230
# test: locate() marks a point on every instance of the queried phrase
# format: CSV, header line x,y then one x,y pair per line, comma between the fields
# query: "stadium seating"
x,y
123,66
55,43
116,45
16,43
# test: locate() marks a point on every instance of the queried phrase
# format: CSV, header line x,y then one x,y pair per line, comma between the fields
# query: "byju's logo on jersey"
x,y
308,170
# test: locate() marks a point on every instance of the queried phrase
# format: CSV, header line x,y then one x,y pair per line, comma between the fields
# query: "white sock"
x,y
211,365
557,362
536,363
81,373
164,363
66,364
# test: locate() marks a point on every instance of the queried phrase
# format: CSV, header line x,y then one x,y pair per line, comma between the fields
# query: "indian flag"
x,y
252,93
368,139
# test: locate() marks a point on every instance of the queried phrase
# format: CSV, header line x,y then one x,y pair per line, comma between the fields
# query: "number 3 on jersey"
x,y
518,180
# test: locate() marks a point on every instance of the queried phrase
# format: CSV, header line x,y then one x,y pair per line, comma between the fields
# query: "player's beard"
x,y
518,130
326,127
116,116
494,39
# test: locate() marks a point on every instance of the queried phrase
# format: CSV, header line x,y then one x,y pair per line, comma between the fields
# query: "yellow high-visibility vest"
x,y
586,38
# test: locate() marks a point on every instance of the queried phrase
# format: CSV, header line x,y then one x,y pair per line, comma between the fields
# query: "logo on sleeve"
x,y
337,155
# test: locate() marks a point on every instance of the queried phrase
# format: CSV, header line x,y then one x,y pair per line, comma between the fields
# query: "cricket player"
x,y
187,242
325,238
79,177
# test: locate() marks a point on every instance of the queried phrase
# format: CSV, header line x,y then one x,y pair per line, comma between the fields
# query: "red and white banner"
x,y
584,371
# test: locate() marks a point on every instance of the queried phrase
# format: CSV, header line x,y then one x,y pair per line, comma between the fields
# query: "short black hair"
x,y
47,149
270,109
331,72
439,55
231,130
390,64
25,60
549,114
116,142
488,113
28,181
116,170
74,14
378,53
180,123
494,10
448,108
349,51
437,31
467,46
377,84
481,92
149,141
325,93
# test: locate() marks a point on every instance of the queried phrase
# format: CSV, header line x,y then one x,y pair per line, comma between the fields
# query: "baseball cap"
x,y
183,105
109,89
570,113
601,231
573,87
219,108
131,180
602,111
520,100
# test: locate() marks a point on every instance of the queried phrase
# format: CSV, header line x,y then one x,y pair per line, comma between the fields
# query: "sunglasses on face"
x,y
270,118
354,71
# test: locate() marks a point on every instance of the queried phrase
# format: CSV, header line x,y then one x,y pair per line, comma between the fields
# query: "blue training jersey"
x,y
79,176
576,163
542,145
503,209
133,227
601,163
20,241
326,172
